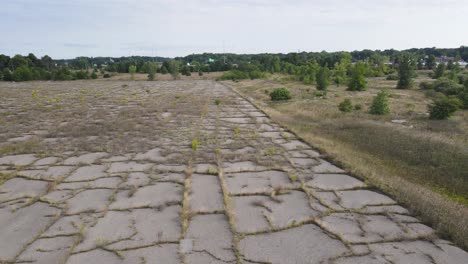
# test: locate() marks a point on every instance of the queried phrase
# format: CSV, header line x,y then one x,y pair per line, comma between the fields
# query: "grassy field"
x,y
422,163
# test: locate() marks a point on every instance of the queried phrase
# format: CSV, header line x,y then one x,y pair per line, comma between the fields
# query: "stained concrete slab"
x,y
160,194
211,233
252,182
87,173
21,226
296,245
89,201
334,182
356,199
132,166
327,167
17,188
152,226
88,158
205,194
47,250
18,160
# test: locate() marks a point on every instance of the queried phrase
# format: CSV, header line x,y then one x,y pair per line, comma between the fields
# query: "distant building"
x,y
445,60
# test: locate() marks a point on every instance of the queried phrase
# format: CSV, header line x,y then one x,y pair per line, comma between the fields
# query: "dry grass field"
x,y
422,163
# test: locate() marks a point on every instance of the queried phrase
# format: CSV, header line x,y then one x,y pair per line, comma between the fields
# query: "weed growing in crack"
x,y
195,144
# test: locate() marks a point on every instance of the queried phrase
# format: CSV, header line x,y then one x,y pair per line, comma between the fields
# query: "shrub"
x,y
345,106
106,75
200,73
194,144
392,77
358,107
405,72
380,104
323,78
358,81
463,96
217,101
320,93
279,94
94,75
81,75
7,76
425,85
439,71
447,86
151,76
444,107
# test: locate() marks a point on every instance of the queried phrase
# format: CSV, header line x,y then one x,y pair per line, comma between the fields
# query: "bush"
x,y
81,75
405,72
233,75
106,75
7,76
358,81
323,78
425,85
447,86
94,75
358,107
320,93
380,104
279,94
200,73
392,77
346,106
463,96
22,73
444,107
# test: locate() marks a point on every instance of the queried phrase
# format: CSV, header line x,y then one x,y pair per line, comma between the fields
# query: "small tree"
x,y
405,72
358,81
323,78
444,107
453,74
345,106
380,104
430,62
151,70
94,75
339,73
439,71
132,70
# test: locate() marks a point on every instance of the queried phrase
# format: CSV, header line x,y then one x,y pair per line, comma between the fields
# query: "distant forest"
x,y
301,64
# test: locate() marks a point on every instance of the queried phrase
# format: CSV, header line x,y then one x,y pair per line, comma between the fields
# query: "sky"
x,y
169,28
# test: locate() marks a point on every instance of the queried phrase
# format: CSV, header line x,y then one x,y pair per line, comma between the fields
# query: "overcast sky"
x,y
70,28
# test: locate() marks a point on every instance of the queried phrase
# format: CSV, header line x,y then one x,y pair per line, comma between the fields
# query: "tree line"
x,y
307,67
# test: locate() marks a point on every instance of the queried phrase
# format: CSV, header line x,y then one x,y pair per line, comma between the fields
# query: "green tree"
x,y
453,74
94,75
379,104
132,70
323,78
430,62
439,71
150,68
339,73
22,73
405,72
444,107
358,81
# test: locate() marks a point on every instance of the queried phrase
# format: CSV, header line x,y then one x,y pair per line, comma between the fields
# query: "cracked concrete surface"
x,y
115,178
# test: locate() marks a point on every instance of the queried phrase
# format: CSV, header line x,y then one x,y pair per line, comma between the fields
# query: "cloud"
x,y
175,28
